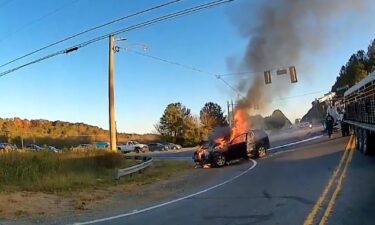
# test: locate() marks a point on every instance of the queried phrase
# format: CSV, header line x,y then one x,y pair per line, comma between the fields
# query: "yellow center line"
x,y
310,218
337,190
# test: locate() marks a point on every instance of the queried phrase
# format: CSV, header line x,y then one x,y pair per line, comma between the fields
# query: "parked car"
x,y
53,149
157,147
83,147
7,147
172,146
132,146
33,147
248,145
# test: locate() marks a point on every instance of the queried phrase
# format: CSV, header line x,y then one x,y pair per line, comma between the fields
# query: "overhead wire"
x,y
217,76
195,69
38,19
130,28
90,30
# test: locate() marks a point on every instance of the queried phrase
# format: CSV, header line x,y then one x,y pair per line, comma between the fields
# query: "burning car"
x,y
252,144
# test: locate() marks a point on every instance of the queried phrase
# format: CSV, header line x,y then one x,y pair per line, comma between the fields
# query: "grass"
x,y
70,171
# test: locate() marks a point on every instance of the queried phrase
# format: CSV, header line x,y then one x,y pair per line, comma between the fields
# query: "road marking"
x,y
296,143
169,202
338,188
310,218
172,158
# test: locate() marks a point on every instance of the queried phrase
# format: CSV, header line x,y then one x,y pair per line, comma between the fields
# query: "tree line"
x,y
178,125
59,133
358,67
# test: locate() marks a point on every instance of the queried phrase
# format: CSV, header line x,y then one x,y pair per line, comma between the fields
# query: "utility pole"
x,y
229,115
232,111
112,123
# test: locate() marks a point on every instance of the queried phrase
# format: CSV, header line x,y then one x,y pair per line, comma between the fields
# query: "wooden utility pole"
x,y
232,111
229,115
111,97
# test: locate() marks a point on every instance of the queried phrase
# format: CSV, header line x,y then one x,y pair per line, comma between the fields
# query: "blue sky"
x,y
74,87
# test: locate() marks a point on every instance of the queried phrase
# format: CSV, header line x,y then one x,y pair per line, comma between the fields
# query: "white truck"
x,y
132,146
359,102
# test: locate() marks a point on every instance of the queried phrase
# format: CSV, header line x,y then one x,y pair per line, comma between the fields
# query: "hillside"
x,y
277,120
315,114
59,133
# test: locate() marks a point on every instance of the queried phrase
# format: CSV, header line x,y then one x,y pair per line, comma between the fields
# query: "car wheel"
x,y
136,150
262,152
219,160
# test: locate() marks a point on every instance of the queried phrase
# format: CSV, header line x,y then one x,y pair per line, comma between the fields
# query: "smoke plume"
x,y
279,35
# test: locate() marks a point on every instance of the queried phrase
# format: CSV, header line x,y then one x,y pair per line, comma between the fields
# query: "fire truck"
x,y
359,103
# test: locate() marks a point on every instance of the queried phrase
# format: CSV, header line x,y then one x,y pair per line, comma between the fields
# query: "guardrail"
x,y
147,161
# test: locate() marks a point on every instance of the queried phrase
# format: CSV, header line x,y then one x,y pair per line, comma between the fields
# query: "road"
x,y
307,184
277,140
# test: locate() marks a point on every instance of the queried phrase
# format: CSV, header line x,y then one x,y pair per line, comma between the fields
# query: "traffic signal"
x,y
281,71
267,77
293,74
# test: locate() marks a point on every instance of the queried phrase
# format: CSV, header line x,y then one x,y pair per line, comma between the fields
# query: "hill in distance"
x,y
60,133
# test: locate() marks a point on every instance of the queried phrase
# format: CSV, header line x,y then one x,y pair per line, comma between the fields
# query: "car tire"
x,y
262,151
136,150
219,160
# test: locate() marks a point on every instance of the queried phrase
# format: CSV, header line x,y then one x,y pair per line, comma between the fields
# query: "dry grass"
x,y
49,172
75,171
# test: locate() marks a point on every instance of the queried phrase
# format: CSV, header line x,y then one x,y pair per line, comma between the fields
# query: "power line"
x,y
133,27
190,68
217,76
89,30
39,19
301,95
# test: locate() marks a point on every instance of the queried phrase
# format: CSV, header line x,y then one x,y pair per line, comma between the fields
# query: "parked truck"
x,y
359,103
132,146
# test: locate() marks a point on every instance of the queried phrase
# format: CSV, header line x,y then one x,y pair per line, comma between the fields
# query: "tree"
x,y
212,116
171,124
358,67
371,57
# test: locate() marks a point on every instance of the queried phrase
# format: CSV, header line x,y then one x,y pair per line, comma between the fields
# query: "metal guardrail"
x,y
147,161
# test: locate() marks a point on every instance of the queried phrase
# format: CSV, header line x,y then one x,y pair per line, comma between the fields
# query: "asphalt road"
x,y
276,141
280,189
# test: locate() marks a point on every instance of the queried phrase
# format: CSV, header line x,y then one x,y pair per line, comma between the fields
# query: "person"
x,y
329,125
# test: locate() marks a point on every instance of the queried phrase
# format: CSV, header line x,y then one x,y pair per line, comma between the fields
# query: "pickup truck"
x,y
132,146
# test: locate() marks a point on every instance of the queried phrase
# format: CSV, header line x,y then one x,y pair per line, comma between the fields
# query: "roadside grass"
x,y
74,171
159,170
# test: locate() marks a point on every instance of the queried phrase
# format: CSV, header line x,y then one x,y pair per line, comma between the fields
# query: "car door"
x,y
237,148
250,142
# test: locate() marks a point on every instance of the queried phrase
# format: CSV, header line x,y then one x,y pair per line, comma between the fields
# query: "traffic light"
x,y
281,71
293,74
267,77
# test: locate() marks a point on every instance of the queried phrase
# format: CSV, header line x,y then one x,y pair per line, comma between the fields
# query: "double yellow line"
x,y
334,182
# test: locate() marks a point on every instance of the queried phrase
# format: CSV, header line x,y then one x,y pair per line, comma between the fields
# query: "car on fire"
x,y
252,144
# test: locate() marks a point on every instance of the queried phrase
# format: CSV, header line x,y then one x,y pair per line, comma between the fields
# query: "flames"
x,y
240,126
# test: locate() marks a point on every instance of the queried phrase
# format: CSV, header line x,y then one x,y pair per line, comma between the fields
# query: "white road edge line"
x,y
169,202
296,143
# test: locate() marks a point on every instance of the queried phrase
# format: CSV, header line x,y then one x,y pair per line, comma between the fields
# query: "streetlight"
x,y
112,121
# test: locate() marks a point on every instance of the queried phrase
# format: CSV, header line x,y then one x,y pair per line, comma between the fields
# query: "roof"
x,y
360,84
